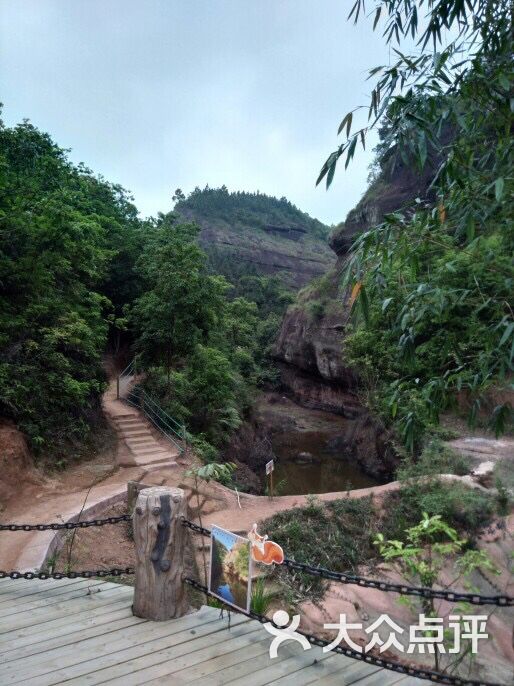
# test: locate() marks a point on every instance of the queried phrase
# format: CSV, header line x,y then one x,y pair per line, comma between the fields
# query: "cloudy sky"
x,y
159,94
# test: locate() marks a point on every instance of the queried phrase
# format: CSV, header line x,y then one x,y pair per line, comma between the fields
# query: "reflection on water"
x,y
232,590
333,468
225,592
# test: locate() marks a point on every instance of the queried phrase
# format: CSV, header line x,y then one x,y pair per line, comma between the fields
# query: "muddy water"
x,y
294,429
331,469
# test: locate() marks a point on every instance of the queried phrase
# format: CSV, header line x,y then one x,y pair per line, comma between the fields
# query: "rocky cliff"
x,y
251,233
310,347
310,344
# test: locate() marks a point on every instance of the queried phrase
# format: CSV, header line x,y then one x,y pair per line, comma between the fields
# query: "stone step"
x,y
131,425
129,422
131,433
146,443
141,439
131,428
141,461
149,451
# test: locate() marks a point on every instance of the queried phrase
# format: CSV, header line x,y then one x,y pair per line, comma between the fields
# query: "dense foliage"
x,y
204,348
80,273
59,226
432,285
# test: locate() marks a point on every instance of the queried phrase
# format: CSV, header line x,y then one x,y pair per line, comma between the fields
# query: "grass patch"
x,y
467,510
436,458
337,535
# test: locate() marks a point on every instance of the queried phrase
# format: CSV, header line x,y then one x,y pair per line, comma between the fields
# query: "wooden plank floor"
x,y
80,632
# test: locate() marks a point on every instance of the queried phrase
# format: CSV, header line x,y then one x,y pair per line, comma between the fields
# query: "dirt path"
x,y
101,482
94,486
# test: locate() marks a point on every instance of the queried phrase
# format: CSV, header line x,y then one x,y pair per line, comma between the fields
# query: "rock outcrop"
x,y
310,347
248,233
311,338
16,465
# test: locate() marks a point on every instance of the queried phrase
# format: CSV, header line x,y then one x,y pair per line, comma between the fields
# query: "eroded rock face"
x,y
360,437
266,250
311,343
16,466
316,393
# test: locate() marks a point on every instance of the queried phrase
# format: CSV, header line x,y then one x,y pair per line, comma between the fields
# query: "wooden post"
x,y
160,540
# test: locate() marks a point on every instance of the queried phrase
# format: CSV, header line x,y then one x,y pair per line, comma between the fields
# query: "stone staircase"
x,y
137,433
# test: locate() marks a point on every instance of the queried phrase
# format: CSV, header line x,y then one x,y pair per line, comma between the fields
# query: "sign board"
x,y
270,466
230,577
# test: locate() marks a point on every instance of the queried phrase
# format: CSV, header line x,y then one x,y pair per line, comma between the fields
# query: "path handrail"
x,y
159,418
139,398
148,399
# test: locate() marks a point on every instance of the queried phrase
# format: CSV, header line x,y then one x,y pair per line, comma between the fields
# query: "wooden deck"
x,y
83,632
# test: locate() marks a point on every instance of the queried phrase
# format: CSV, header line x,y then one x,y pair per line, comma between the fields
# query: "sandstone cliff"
x,y
251,233
311,340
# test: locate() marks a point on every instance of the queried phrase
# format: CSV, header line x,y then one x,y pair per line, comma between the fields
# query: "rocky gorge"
x,y
310,349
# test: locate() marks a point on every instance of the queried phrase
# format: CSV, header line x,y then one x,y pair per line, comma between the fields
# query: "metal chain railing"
x,y
320,572
403,589
385,663
56,526
85,574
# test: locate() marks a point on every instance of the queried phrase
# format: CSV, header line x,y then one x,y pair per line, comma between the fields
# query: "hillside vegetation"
x,y
253,234
431,285
60,260
80,272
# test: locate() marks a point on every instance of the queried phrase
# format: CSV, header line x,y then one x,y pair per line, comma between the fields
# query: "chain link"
x,y
403,589
196,527
86,574
385,663
56,526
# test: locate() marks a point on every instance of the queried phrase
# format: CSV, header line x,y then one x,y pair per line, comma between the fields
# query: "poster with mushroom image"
x,y
230,577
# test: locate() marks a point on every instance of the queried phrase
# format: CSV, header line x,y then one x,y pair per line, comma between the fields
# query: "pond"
x,y
331,469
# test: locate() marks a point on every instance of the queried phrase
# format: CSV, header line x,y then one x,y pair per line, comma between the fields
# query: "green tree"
x,y
55,257
422,557
432,285
180,303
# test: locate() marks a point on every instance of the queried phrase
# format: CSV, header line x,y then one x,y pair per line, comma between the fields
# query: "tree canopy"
x,y
59,228
432,285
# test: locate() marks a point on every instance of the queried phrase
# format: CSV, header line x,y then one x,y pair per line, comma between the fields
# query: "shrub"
x,y
466,509
337,535
436,458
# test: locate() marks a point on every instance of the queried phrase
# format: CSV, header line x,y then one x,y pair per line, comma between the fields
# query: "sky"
x,y
160,94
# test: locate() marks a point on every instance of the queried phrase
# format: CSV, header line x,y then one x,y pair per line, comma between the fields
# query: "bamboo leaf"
x,y
355,293
498,188
377,17
347,121
386,304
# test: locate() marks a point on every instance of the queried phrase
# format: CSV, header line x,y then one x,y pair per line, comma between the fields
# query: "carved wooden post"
x,y
160,540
